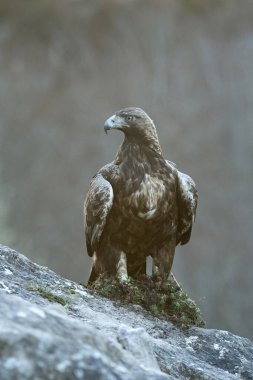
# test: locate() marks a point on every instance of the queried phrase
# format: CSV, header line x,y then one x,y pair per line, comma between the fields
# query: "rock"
x,y
53,328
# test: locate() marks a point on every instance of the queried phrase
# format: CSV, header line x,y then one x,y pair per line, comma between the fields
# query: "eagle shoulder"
x,y
97,206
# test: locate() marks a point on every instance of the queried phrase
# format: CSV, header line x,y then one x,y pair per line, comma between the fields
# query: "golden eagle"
x,y
137,206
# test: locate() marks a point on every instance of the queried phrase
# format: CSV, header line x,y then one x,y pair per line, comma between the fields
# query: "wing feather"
x,y
97,206
187,205
187,199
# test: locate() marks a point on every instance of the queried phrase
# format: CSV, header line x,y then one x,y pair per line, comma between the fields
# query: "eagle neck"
x,y
134,150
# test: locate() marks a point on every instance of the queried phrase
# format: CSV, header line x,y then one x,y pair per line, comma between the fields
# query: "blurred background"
x,y
66,66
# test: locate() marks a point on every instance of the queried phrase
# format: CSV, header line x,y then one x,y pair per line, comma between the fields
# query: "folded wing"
x,y
97,206
187,200
187,204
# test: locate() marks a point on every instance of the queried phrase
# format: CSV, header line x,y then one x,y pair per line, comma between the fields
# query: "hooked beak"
x,y
114,122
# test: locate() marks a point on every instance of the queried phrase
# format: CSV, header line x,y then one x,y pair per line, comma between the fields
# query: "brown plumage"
x,y
137,206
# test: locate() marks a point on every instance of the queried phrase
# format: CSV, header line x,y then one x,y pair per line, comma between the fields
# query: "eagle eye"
x,y
130,118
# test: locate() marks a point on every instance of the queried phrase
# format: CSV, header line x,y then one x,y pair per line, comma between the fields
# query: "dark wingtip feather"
x,y
186,236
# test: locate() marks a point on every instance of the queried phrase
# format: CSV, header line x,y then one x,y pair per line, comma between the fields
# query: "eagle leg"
x,y
162,262
109,261
93,275
122,268
106,264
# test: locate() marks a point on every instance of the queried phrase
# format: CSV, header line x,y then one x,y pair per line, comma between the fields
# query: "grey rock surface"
x,y
53,328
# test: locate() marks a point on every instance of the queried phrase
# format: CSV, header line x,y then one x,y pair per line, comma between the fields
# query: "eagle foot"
x,y
123,278
172,280
161,282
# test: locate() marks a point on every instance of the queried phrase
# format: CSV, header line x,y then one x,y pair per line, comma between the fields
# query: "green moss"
x,y
166,302
154,309
48,295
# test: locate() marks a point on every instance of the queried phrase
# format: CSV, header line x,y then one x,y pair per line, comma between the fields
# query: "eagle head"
x,y
133,122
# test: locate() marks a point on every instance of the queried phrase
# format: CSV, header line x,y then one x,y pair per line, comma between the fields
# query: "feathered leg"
x,y
122,268
109,261
93,272
93,275
162,261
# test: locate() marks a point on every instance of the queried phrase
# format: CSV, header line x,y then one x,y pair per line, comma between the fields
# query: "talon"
x,y
158,281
